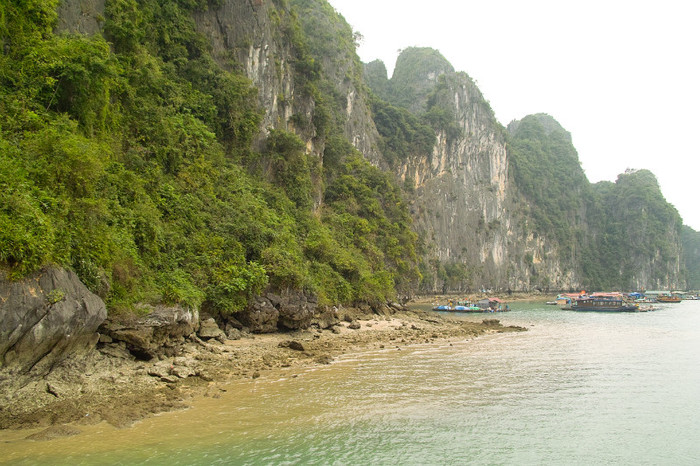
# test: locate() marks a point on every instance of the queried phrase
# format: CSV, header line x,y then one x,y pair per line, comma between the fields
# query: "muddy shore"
x,y
118,389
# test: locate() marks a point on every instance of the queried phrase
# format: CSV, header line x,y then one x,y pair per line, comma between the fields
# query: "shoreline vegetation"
x,y
118,389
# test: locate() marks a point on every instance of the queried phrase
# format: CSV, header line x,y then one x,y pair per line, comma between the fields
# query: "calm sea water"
x,y
577,388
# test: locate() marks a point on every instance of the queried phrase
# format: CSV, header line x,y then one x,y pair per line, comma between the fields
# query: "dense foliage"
x,y
547,171
128,159
402,134
416,70
636,222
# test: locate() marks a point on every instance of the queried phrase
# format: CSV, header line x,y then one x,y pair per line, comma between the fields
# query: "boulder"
x,y
296,311
286,311
326,317
396,307
209,330
383,309
233,333
293,345
158,333
260,317
46,317
231,322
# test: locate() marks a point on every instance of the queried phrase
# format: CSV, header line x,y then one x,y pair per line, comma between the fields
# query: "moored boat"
x,y
602,304
443,307
565,301
484,305
468,308
492,305
668,299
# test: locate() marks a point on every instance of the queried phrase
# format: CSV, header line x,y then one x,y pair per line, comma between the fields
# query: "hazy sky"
x,y
623,77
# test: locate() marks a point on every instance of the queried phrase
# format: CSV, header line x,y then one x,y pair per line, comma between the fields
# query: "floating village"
x,y
581,301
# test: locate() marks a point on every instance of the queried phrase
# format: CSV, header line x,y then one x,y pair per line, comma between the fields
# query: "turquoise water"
x,y
576,388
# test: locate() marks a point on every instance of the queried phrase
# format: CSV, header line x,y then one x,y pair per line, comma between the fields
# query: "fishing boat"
x,y
458,308
668,299
602,304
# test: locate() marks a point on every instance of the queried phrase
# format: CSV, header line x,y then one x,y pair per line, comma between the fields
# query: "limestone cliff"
x,y
259,36
643,229
480,225
514,210
466,206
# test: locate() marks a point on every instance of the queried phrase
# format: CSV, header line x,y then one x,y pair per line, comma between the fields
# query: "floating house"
x,y
492,304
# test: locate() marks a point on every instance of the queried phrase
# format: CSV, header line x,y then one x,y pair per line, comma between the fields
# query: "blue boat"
x,y
443,307
467,307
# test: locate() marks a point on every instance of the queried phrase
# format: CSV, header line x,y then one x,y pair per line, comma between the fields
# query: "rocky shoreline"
x,y
111,385
65,362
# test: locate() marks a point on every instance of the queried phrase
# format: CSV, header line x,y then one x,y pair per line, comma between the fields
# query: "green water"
x,y
577,388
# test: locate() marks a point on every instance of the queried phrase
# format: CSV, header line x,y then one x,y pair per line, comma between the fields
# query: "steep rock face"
x,y
80,16
331,41
466,207
545,168
244,31
690,241
257,34
45,317
417,71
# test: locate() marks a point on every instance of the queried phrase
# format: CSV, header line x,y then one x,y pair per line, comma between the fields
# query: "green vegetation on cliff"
x,y
691,256
631,224
547,171
128,159
610,231
409,109
417,69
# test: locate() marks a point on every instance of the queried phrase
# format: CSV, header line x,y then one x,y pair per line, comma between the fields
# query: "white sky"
x,y
623,77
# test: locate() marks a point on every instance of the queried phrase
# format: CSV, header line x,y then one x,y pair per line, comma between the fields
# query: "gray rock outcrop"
x,y
208,330
80,16
159,333
296,310
45,317
260,317
272,312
